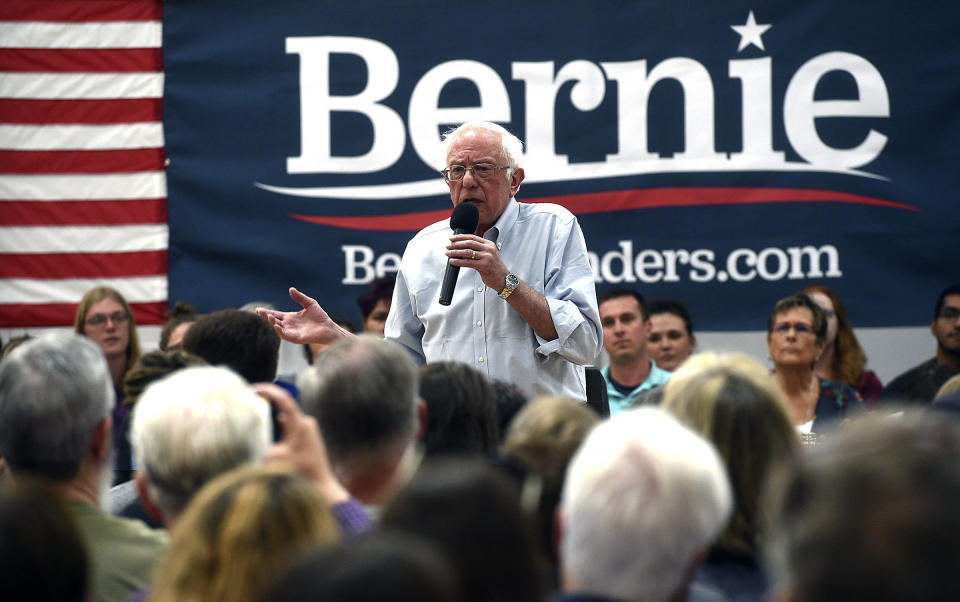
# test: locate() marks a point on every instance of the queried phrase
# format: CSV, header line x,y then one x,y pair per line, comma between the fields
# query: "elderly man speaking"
x,y
526,309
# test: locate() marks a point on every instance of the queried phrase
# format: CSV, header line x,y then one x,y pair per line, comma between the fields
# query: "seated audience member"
x,y
190,427
796,335
473,516
671,339
644,499
240,531
461,410
123,499
363,394
870,514
920,383
179,321
384,566
510,400
42,558
105,317
56,395
239,340
374,304
842,359
732,401
632,373
543,437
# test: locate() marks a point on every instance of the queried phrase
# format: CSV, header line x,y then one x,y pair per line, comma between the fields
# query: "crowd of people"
x,y
432,459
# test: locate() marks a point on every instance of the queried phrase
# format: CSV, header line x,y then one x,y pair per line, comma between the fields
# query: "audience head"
x,y
363,393
671,338
152,367
510,400
179,321
871,514
625,321
241,530
643,500
192,426
473,515
461,409
796,331
105,316
849,361
42,555
55,399
13,343
382,566
239,340
547,432
374,304
735,404
946,324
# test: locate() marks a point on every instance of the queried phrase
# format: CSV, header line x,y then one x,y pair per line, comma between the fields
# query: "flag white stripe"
x,y
114,34
138,185
83,239
142,289
81,85
81,137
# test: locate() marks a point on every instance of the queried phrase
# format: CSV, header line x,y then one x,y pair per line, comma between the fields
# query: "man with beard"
x,y
920,384
56,397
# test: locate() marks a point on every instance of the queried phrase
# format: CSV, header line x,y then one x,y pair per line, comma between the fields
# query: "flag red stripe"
x,y
49,266
83,213
86,111
76,11
38,315
81,162
85,60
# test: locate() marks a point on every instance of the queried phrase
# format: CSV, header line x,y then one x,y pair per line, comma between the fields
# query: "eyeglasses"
x,y
99,320
798,327
949,313
480,171
829,313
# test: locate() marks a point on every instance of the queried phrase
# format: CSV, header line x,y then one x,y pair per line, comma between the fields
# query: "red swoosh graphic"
x,y
619,200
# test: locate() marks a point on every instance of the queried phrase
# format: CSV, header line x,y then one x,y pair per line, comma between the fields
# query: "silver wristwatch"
x,y
511,284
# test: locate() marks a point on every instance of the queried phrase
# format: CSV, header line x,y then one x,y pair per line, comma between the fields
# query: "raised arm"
x,y
309,325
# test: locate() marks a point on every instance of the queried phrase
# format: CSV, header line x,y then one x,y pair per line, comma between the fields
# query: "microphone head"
x,y
465,218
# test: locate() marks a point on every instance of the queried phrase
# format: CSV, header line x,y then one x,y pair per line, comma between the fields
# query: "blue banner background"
x,y
232,118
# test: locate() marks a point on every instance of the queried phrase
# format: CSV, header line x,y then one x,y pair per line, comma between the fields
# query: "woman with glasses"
x,y
105,317
842,359
796,338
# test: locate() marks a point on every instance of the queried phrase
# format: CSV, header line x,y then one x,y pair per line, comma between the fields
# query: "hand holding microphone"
x,y
463,221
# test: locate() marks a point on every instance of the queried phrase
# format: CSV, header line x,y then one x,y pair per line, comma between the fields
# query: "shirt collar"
x,y
504,224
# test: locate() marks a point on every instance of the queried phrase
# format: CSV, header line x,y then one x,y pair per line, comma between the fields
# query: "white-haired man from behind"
x,y
643,500
190,427
56,396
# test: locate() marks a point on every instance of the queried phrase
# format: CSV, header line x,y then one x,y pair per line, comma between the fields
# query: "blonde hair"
x,y
733,401
547,432
241,530
951,386
95,295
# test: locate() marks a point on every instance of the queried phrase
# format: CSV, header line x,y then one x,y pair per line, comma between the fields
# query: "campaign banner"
x,y
723,154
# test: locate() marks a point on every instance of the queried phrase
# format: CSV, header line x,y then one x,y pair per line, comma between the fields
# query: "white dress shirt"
x,y
543,245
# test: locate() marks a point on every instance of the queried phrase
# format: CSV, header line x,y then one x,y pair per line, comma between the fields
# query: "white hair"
x,y
510,146
193,425
642,497
53,393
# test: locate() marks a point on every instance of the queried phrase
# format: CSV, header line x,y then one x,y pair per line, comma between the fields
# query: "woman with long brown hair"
x,y
843,359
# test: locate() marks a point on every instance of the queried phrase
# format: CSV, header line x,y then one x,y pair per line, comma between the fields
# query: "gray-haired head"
x,y
192,426
510,146
363,393
644,495
53,393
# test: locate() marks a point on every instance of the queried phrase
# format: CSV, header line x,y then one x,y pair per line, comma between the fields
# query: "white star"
x,y
750,33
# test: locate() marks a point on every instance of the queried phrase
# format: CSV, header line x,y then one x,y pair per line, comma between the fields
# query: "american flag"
x,y
82,183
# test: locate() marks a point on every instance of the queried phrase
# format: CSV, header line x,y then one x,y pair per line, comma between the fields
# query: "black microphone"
x,y
463,221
